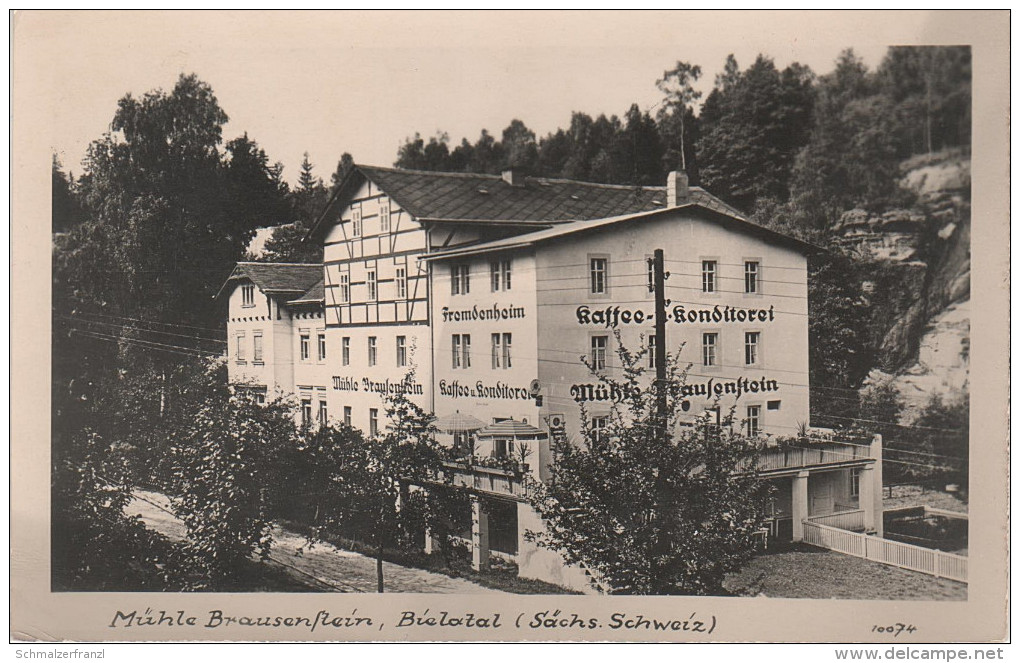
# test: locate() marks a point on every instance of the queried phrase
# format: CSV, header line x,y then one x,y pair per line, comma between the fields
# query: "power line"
x,y
150,322
123,327
195,352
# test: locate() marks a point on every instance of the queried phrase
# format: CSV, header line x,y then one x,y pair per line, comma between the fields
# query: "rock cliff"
x,y
918,283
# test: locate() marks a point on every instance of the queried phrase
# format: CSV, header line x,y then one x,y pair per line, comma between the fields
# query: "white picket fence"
x,y
904,555
851,519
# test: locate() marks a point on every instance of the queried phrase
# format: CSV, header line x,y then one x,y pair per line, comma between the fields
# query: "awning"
x,y
459,423
511,428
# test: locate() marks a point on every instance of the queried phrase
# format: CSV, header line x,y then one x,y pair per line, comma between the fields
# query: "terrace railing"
x,y
788,458
489,480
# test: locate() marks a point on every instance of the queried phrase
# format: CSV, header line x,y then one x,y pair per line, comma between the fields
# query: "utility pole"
x,y
659,284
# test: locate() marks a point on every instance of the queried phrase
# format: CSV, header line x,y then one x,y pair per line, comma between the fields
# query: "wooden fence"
x,y
904,555
850,520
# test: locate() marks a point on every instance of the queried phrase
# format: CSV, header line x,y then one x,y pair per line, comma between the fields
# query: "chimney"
x,y
677,192
513,176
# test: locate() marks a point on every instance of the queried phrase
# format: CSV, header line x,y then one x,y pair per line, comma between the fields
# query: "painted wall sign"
x,y
385,387
614,316
610,392
496,312
500,390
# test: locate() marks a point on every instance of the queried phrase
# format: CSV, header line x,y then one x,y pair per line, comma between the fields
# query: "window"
x,y
306,411
506,349
651,275
256,340
384,217
753,419
462,444
462,351
401,351
356,223
241,355
598,429
305,349
322,346
401,280
599,267
599,345
248,295
502,447
345,346
373,422
373,286
751,276
347,415
497,351
323,413
461,282
709,349
651,351
708,273
499,270
345,288
501,350
371,351
773,405
751,340
855,482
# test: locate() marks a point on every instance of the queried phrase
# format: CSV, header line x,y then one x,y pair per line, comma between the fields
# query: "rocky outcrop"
x,y
919,280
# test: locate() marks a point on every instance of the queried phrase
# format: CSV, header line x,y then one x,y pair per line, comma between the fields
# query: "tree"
x,y
838,338
651,506
227,461
364,484
851,156
519,147
416,154
343,167
678,86
64,210
751,127
164,213
307,181
931,89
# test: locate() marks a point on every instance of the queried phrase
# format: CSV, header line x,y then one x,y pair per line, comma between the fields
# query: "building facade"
x,y
506,295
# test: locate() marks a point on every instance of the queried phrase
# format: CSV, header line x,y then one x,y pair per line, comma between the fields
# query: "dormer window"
x,y
248,295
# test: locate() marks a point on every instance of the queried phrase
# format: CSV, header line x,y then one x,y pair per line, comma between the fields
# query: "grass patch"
x,y
802,571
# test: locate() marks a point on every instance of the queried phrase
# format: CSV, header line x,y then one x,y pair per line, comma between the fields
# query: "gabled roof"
x,y
564,230
482,198
275,278
315,295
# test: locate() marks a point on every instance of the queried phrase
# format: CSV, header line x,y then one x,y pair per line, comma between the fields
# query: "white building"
x,y
276,336
493,288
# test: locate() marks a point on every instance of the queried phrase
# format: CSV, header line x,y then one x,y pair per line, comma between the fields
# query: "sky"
x,y
362,82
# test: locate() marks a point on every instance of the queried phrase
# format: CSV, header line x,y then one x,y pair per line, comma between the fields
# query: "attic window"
x,y
247,295
657,202
573,197
544,183
484,192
